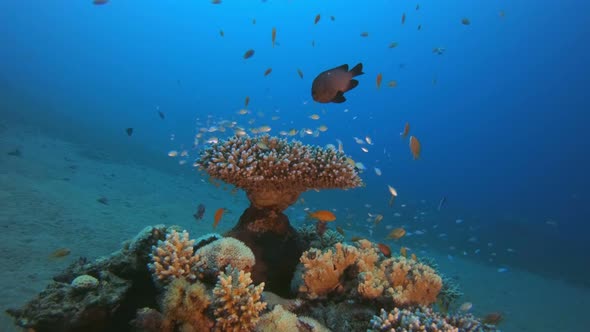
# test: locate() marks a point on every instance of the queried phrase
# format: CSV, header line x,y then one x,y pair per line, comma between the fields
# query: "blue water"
x,y
503,129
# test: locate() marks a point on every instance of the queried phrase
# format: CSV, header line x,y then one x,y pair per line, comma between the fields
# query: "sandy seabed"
x,y
49,196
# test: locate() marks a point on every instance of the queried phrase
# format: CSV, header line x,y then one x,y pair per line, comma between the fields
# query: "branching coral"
x,y
184,305
237,302
273,171
173,258
426,320
217,255
324,269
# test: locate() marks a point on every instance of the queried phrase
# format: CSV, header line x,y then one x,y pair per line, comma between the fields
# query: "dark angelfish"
x,y
330,85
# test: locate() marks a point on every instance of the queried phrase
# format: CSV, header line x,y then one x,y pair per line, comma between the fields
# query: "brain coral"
x,y
217,255
274,171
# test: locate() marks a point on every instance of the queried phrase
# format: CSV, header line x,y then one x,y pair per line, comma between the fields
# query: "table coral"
x,y
274,171
173,258
237,301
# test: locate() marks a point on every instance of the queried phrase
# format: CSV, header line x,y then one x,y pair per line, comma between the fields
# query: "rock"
x,y
84,282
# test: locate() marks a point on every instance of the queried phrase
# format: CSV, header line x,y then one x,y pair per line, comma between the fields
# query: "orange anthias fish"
x,y
323,215
246,101
397,234
385,250
414,258
267,72
59,253
218,215
274,36
406,131
379,79
403,251
317,19
415,147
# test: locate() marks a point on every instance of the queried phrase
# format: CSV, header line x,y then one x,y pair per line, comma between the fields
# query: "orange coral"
x,y
323,270
404,281
173,258
237,302
184,305
411,283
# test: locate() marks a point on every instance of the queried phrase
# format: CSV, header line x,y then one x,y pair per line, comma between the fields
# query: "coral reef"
x,y
237,302
173,258
217,255
394,280
274,172
424,319
184,306
341,288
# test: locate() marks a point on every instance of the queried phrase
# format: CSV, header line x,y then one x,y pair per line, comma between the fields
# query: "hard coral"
x,y
426,320
217,255
274,172
184,305
237,302
173,258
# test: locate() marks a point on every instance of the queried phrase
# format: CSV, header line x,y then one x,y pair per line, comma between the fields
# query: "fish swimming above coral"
x,y
330,85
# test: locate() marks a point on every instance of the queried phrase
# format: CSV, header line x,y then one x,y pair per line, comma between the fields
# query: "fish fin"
x,y
339,98
352,85
343,67
357,70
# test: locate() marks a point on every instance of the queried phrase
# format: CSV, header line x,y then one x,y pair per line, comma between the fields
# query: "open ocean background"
x,y
502,114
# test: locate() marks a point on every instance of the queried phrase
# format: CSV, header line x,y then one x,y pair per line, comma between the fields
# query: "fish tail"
x,y
357,70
